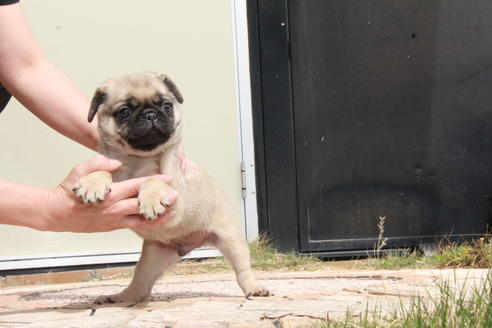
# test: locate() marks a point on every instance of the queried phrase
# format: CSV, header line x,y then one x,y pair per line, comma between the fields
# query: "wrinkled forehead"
x,y
140,88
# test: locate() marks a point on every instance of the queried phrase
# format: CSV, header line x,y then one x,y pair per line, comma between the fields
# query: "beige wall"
x,y
190,40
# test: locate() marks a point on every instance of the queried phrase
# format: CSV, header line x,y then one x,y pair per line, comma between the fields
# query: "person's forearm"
x,y
31,78
23,205
51,96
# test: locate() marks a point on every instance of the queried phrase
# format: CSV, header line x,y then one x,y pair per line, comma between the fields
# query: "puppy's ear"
x,y
97,100
172,87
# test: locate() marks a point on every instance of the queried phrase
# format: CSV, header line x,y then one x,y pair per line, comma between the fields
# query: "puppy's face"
x,y
137,113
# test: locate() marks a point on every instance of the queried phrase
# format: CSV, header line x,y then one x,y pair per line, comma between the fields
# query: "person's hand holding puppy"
x,y
60,210
119,209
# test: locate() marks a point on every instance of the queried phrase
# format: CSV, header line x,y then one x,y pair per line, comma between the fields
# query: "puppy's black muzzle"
x,y
150,129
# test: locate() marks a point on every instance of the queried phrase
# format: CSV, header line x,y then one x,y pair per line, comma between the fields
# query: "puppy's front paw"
x,y
153,203
93,187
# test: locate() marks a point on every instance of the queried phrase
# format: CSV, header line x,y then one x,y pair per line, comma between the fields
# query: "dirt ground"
x,y
215,300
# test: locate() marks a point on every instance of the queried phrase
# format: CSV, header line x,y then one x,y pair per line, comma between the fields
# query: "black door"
x,y
369,109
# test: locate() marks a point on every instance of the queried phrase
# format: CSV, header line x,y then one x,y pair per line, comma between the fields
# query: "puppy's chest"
x,y
136,169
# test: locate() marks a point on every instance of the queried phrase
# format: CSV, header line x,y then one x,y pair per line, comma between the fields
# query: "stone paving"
x,y
215,300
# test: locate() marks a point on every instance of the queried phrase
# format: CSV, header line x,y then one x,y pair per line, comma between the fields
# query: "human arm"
x,y
60,210
40,86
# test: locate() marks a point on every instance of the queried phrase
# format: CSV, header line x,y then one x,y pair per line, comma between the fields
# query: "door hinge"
x,y
243,179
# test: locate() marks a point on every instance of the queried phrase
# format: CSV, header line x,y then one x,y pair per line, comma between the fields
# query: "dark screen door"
x,y
369,109
392,117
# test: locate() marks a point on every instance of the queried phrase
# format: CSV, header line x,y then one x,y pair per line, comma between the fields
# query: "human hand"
x,y
119,209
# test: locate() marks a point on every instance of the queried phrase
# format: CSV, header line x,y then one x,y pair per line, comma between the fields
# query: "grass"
x,y
264,257
468,307
476,254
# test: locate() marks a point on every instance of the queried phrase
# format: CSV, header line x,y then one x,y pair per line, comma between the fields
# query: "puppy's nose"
x,y
151,116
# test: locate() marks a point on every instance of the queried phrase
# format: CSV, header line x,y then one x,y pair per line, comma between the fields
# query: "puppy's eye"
x,y
167,106
123,113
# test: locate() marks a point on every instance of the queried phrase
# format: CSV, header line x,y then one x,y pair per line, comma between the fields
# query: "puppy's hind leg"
x,y
236,252
155,258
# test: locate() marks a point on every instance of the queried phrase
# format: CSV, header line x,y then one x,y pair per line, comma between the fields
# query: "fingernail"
x,y
114,163
100,157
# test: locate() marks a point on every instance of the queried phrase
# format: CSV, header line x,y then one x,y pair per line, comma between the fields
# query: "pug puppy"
x,y
140,122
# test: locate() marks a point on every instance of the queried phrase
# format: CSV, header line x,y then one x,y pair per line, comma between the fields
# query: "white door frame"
x,y
245,117
246,155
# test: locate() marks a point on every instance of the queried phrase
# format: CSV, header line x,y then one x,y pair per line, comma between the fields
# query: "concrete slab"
x,y
215,300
